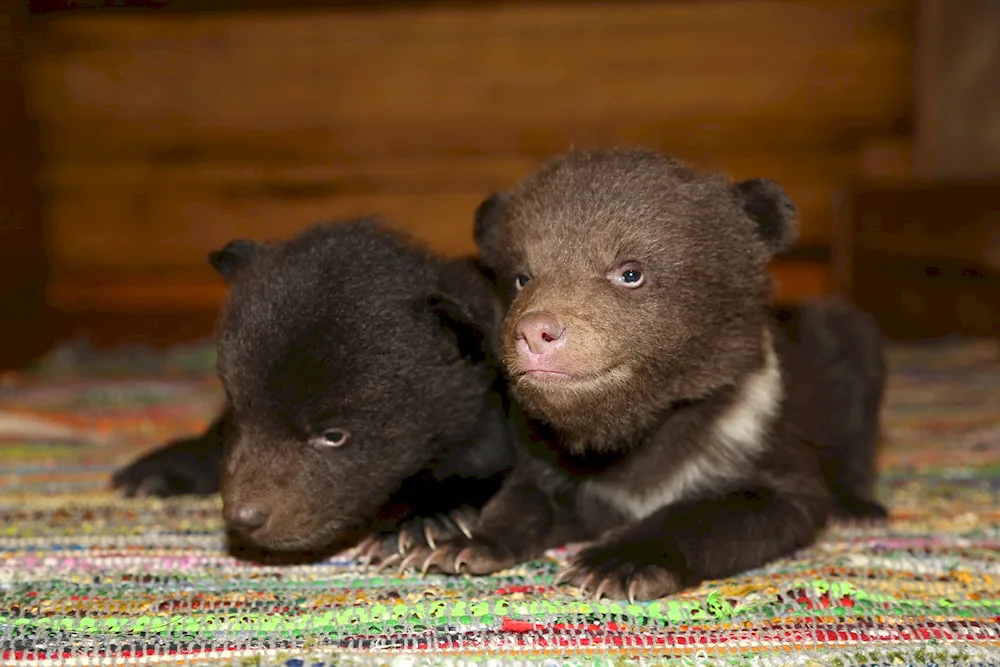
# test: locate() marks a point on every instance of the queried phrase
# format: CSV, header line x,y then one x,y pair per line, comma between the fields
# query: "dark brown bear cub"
x,y
673,425
359,387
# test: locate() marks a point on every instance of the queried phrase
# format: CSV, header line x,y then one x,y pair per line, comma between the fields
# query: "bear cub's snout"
x,y
245,517
539,334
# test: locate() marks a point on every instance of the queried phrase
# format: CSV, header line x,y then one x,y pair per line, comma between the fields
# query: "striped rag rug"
x,y
88,578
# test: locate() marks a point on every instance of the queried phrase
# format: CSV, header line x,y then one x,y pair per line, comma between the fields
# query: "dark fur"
x,y
351,326
653,369
845,349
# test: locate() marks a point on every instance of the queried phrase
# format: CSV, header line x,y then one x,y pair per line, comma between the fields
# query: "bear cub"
x,y
671,424
360,395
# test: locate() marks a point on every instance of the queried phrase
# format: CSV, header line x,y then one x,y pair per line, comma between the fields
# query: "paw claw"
x,y
438,558
566,575
600,572
429,535
590,584
602,589
364,551
388,562
410,561
459,562
457,555
462,524
429,562
403,542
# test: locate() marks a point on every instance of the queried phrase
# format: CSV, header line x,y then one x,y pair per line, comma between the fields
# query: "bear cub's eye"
x,y
521,281
631,276
334,437
628,275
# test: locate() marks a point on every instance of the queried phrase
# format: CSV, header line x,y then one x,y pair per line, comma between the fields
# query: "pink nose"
x,y
540,332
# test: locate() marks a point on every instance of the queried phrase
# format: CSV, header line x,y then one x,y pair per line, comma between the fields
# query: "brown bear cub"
x,y
673,425
360,395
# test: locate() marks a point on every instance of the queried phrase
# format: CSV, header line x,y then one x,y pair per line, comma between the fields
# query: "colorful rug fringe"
x,y
88,578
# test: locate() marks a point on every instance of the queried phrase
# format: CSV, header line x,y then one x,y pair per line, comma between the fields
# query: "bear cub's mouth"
x,y
547,375
552,377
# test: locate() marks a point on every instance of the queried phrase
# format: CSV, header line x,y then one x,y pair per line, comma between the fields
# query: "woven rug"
x,y
87,578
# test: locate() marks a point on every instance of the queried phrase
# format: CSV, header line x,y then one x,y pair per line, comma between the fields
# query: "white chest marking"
x,y
738,435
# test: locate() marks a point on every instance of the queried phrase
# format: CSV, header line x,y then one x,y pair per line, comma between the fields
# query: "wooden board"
x,y
524,80
924,256
958,91
23,262
171,216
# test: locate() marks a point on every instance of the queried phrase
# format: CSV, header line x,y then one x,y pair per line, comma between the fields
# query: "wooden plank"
x,y
950,221
137,291
170,232
797,281
113,328
162,231
41,7
912,304
522,80
417,175
176,232
958,89
23,264
146,217
924,256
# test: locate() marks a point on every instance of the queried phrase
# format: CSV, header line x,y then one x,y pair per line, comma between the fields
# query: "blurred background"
x,y
137,136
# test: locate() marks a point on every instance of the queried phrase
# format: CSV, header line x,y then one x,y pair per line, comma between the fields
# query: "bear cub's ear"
x,y
456,317
767,204
487,215
234,257
464,303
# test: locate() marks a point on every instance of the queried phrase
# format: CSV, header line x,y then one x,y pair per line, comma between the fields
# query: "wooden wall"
x,y
957,123
165,134
23,262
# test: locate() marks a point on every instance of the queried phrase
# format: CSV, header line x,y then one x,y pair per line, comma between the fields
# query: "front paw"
x,y
614,571
473,555
415,538
168,471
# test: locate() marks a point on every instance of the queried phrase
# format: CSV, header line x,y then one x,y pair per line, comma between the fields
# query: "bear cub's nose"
x,y
245,517
540,331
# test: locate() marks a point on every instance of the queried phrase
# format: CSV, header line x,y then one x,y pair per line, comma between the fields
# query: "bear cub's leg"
x,y
846,348
690,541
186,466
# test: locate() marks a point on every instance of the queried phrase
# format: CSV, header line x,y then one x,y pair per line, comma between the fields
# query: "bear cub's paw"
x,y
415,538
174,470
614,571
470,555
